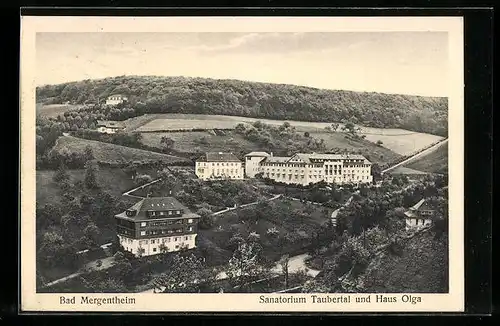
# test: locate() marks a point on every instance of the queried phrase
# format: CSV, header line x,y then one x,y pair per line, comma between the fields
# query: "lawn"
x,y
202,141
398,140
404,144
107,152
112,180
230,141
435,162
53,110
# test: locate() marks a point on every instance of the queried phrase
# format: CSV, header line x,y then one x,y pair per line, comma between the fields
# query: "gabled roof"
x,y
218,157
276,159
258,154
119,95
156,204
422,205
110,124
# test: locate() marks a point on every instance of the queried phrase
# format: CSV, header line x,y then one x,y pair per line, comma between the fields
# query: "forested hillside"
x,y
148,94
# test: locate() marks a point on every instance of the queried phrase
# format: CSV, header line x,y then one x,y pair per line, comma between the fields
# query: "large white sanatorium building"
x,y
218,165
304,169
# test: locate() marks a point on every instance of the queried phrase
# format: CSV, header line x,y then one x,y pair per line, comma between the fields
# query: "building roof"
x,y
156,204
276,159
258,154
308,157
218,157
422,205
110,124
119,95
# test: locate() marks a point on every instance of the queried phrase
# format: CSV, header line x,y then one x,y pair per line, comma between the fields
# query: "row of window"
x,y
207,164
170,222
165,240
158,232
164,213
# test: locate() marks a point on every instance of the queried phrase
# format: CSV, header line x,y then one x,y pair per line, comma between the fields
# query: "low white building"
x,y
304,169
420,215
219,165
252,161
116,99
109,127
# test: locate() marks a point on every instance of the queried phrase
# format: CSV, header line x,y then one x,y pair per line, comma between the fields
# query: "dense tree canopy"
x,y
149,94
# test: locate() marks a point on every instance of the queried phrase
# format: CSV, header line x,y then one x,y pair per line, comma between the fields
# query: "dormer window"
x,y
130,212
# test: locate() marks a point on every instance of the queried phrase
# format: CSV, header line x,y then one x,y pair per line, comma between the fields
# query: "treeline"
x,y
149,94
281,140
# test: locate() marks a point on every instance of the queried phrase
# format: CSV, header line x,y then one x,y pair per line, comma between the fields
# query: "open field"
x,y
112,180
230,141
398,140
53,110
107,152
201,140
435,162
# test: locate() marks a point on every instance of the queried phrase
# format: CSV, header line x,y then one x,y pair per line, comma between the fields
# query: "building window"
x,y
154,249
185,238
177,212
143,224
190,228
143,232
190,221
169,212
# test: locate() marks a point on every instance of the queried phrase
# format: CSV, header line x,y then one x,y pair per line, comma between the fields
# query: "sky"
x,y
387,62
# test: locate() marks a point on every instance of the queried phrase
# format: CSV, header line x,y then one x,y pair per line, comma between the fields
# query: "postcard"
x,y
250,164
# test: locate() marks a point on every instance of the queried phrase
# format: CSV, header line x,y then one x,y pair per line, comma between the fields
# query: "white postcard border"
x,y
34,302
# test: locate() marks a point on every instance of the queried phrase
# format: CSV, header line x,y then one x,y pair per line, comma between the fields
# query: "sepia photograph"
x,y
297,167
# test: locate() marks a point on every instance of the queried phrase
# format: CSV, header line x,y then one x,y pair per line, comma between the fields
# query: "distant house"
x,y
219,165
420,215
116,99
109,127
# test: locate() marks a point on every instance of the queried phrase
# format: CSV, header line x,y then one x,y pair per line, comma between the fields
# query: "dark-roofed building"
x,y
110,127
219,165
420,215
156,224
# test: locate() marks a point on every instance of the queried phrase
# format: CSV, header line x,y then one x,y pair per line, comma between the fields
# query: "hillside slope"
x,y
107,152
435,162
421,267
259,100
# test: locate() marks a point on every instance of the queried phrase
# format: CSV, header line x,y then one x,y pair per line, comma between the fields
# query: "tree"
x,y
61,175
88,153
306,134
244,265
142,179
92,234
207,220
91,170
186,275
379,142
168,143
284,261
